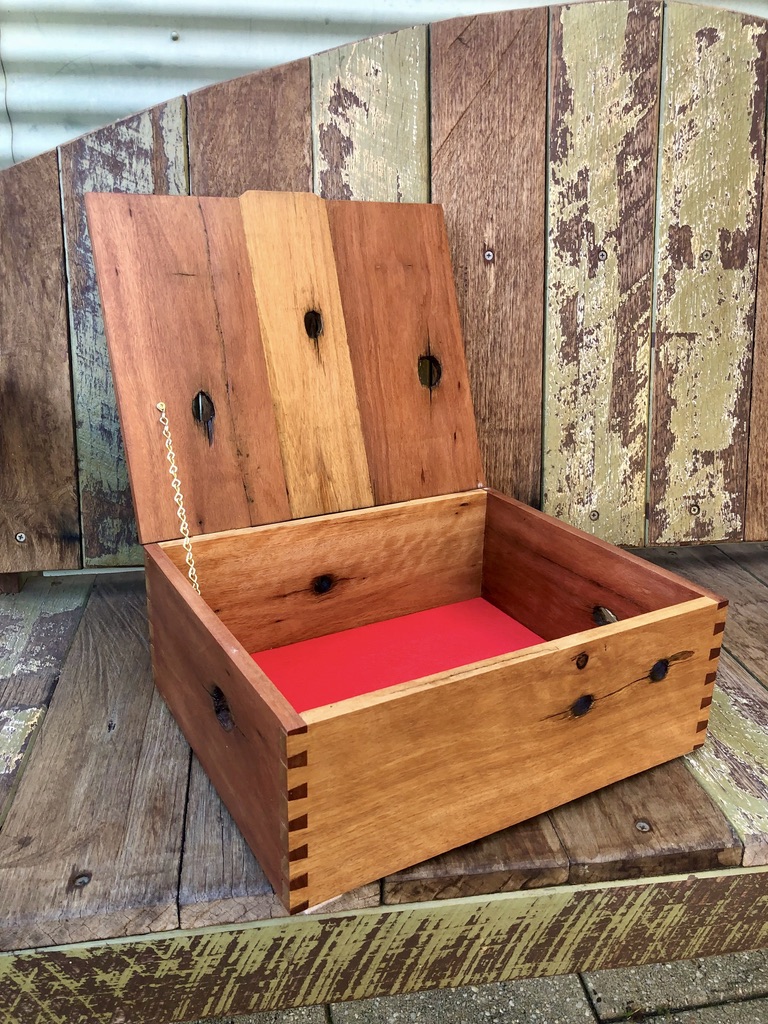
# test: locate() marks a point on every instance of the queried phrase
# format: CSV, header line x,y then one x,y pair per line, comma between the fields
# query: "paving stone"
x,y
686,984
301,1015
558,1000
754,1011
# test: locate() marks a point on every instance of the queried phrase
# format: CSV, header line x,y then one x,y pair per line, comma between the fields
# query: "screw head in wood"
x,y
175,37
695,509
489,255
594,515
602,255
80,881
642,825
706,256
21,538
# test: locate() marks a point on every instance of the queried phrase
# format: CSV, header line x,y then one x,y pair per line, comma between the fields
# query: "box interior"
x,y
339,606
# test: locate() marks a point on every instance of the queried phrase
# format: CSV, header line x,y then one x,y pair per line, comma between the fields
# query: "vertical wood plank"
x,y
712,142
311,379
38,496
488,77
145,153
602,178
756,524
369,119
253,132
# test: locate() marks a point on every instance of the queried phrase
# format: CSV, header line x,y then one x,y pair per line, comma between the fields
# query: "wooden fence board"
x,y
38,495
387,950
602,178
756,525
252,132
145,153
712,142
488,171
370,119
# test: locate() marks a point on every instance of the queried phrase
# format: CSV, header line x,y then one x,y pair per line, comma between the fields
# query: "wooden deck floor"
x,y
110,828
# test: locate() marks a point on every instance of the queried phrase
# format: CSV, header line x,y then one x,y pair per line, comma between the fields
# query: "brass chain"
x,y
178,498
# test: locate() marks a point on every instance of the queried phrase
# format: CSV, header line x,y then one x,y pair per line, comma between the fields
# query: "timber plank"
x,y
712,144
145,153
370,121
253,132
756,525
732,766
488,171
387,950
745,634
36,629
526,856
752,557
400,311
181,319
660,822
221,881
38,493
602,181
313,390
91,845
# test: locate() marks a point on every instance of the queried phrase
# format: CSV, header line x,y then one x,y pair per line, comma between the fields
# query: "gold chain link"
x,y
178,497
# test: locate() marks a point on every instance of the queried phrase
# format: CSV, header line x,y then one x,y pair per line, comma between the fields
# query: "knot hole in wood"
x,y
430,371
203,411
221,709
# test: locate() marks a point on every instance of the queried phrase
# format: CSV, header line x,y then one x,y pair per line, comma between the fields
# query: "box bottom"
x,y
324,670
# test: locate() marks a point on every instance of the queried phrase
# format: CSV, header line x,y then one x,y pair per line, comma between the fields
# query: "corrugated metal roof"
x,y
72,65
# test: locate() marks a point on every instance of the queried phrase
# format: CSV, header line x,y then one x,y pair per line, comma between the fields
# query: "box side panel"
x,y
551,576
280,584
228,710
403,779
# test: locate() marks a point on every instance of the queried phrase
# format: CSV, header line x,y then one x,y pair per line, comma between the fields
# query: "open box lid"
x,y
309,355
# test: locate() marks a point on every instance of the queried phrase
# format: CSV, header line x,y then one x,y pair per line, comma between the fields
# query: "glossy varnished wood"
x,y
496,229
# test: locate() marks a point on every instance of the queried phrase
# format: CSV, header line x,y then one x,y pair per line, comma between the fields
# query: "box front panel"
x,y
400,776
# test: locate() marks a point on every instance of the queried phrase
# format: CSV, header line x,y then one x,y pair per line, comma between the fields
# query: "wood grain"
x,y
660,822
370,120
732,766
756,517
526,856
394,949
145,153
311,380
488,171
232,716
221,880
712,145
36,629
567,574
251,132
745,634
752,557
38,495
399,306
181,318
602,180
382,562
83,857
392,777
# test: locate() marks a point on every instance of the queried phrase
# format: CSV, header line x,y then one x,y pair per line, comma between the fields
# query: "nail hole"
x,y
322,584
659,670
581,660
313,324
430,371
603,616
580,707
203,412
221,709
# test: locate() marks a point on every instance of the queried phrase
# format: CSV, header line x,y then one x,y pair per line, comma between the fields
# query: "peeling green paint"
x,y
370,119
17,726
601,187
711,173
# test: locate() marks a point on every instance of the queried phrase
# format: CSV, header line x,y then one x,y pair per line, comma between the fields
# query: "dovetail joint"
x,y
714,653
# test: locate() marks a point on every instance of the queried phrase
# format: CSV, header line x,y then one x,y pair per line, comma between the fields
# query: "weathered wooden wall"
x,y
617,340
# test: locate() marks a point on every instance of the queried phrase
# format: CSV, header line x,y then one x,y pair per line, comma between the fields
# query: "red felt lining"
x,y
327,669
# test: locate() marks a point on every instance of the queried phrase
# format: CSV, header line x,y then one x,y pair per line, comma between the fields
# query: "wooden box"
x,y
433,661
